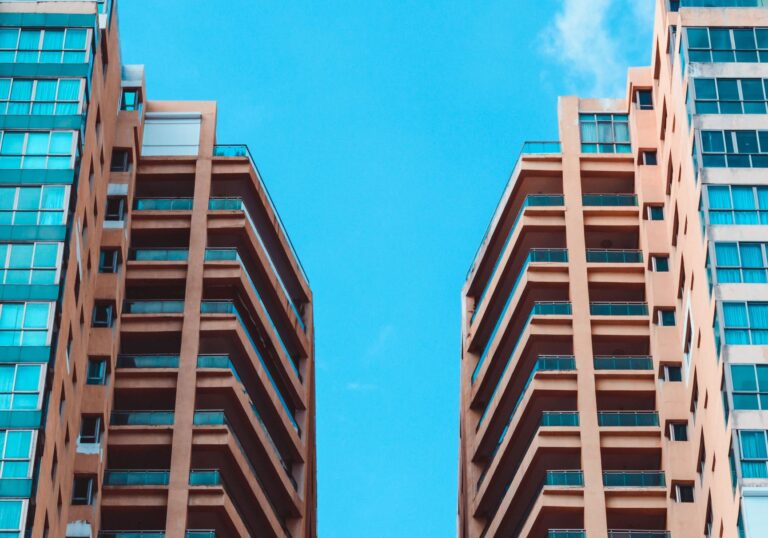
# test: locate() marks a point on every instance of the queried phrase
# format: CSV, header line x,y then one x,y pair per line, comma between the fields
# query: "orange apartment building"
x,y
615,318
156,326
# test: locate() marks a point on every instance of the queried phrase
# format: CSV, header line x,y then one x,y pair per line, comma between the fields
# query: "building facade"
x,y
615,319
156,326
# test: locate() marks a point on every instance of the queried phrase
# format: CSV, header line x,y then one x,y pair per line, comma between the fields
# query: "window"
x,y
38,150
16,453
115,209
727,45
604,133
644,99
25,324
11,512
20,386
754,454
750,386
732,204
33,206
648,158
30,263
109,260
130,100
50,97
732,468
741,262
665,317
660,263
678,431
121,160
50,46
97,371
672,372
103,314
83,490
734,149
655,212
746,323
683,493
90,429
730,96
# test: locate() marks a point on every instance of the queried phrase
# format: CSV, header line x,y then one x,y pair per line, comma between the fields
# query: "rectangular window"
x,y
36,97
45,46
109,260
97,371
644,99
660,263
731,96
678,431
30,263
683,493
734,149
115,209
90,429
741,262
20,387
672,373
11,514
121,160
604,133
648,158
754,454
655,212
83,490
746,323
103,315
750,386
665,317
737,204
37,150
16,447
25,324
727,45
131,100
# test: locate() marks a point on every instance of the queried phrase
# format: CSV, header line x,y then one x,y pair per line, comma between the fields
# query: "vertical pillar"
x,y
595,521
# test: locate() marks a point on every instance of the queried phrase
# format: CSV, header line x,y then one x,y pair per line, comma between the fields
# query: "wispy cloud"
x,y
379,344
357,386
592,40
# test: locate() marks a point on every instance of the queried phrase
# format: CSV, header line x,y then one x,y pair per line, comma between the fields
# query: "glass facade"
x,y
604,133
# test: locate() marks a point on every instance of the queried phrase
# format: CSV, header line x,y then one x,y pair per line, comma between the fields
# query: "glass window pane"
x,y
11,315
36,316
712,141
698,38
744,38
46,255
13,143
21,256
18,444
75,39
743,376
9,38
29,198
27,378
37,144
53,198
746,142
53,40
705,88
61,143
752,89
721,38
727,89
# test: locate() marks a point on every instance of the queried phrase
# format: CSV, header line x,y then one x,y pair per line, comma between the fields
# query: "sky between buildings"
x,y
386,131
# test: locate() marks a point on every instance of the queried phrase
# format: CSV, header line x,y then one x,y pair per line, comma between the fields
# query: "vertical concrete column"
x,y
181,455
595,523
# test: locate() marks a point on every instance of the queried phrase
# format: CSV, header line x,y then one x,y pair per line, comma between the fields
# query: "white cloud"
x,y
379,344
356,386
593,38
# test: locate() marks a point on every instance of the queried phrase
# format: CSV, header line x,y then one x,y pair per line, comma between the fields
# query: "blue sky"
x,y
386,131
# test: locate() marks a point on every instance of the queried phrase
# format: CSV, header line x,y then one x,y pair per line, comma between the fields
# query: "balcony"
x,y
566,533
627,418
136,478
237,204
131,534
564,478
560,418
539,309
228,307
231,254
541,148
614,256
153,307
158,254
623,363
162,204
634,479
532,200
147,361
618,309
141,418
609,200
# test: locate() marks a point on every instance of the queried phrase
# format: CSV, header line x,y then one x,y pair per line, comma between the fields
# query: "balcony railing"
x,y
618,309
158,254
614,256
532,200
560,418
538,309
627,418
634,479
564,478
148,361
541,148
204,477
241,150
209,418
609,200
237,204
141,418
201,534
228,307
623,363
136,477
231,254
163,204
637,534
131,534
153,307
565,533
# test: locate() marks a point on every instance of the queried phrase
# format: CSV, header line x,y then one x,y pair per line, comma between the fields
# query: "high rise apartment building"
x,y
156,330
614,377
